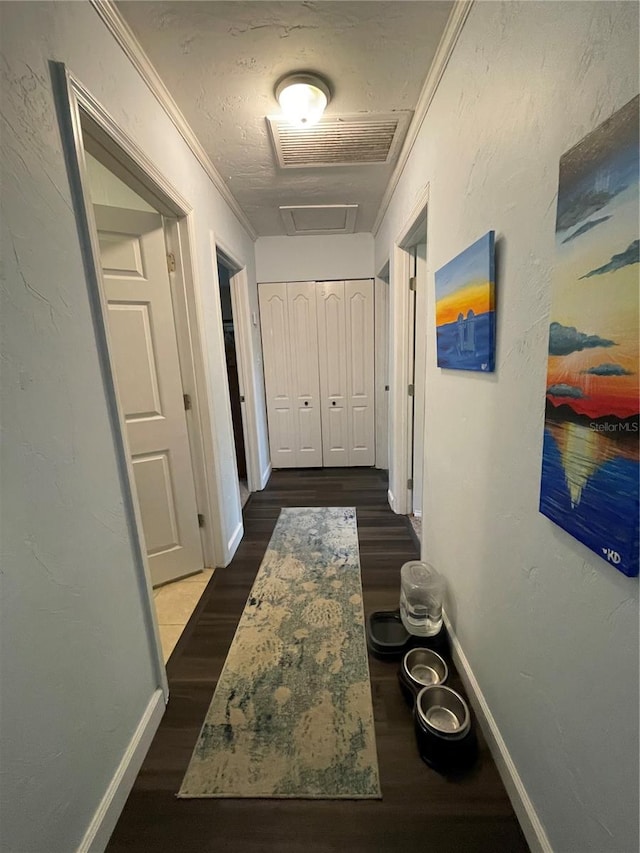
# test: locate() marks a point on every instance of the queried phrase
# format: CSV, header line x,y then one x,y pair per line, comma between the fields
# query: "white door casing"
x,y
411,368
420,372
381,336
145,354
412,233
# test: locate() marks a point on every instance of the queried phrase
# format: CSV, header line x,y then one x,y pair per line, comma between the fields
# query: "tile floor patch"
x,y
174,603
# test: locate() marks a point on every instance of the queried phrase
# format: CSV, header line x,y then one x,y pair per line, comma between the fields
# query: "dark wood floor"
x,y
421,812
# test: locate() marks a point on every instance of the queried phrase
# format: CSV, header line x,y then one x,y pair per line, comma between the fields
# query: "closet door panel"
x,y
360,373
335,434
333,373
305,389
274,322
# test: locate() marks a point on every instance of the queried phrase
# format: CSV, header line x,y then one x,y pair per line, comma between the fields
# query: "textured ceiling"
x,y
221,60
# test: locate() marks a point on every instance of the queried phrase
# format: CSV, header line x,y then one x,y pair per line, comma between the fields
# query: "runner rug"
x,y
291,715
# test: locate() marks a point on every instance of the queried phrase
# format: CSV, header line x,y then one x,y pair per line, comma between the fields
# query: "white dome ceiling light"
x,y
303,98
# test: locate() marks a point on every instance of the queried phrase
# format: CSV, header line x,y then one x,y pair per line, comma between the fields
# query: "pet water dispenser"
x,y
418,622
421,593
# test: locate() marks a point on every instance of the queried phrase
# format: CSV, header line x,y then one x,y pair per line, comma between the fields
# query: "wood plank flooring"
x,y
421,811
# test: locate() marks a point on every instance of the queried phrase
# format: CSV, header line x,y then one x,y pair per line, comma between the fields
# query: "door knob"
x,y
333,402
306,402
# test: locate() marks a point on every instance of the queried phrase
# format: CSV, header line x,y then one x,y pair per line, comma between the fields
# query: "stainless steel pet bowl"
x,y
442,712
423,668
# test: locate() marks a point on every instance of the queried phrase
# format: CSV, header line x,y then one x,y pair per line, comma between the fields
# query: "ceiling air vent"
x,y
343,140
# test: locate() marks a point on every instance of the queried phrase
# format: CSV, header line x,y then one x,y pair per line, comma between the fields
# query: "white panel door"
x,y
281,416
305,388
145,353
359,300
332,351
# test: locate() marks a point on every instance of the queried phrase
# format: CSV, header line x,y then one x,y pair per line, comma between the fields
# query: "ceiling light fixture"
x,y
303,98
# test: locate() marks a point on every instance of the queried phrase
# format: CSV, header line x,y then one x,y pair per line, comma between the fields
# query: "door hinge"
x,y
187,401
200,520
410,483
171,262
386,387
413,283
411,390
242,398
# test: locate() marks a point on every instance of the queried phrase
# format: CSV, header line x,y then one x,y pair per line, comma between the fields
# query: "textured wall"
x,y
318,258
550,629
77,669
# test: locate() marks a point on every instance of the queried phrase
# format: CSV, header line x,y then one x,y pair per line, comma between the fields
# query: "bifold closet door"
x,y
346,360
359,302
290,352
332,353
305,387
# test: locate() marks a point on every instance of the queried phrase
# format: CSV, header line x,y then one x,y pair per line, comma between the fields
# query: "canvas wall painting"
x,y
465,308
590,466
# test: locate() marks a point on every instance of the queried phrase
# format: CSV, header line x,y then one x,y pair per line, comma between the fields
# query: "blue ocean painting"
x,y
465,308
451,344
590,484
592,490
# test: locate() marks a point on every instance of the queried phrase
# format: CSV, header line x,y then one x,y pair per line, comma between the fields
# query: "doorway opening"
x,y
234,374
417,356
408,354
416,255
143,341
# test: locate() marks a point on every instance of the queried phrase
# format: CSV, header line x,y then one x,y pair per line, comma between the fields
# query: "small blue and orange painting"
x,y
590,461
465,308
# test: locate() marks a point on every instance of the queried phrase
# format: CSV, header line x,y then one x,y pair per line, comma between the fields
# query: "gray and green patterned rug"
x,y
291,715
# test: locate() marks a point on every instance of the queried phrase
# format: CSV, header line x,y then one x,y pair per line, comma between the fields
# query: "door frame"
x,y
381,337
401,356
122,156
82,118
420,367
241,310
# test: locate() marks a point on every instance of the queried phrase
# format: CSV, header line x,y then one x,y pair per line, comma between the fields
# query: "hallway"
x,y
419,809
144,141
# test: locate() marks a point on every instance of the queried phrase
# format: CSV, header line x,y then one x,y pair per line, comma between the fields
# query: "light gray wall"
x,y
550,630
77,665
314,258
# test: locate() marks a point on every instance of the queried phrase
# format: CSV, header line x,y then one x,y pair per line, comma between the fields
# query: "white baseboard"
x,y
106,816
264,477
232,544
522,805
391,499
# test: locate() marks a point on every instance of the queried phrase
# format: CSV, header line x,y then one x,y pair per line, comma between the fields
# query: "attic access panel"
x,y
339,140
302,219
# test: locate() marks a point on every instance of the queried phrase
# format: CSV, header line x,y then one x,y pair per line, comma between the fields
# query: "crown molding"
x,y
452,31
125,37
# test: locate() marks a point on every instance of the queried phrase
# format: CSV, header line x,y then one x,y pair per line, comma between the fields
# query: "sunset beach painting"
x,y
590,465
465,308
